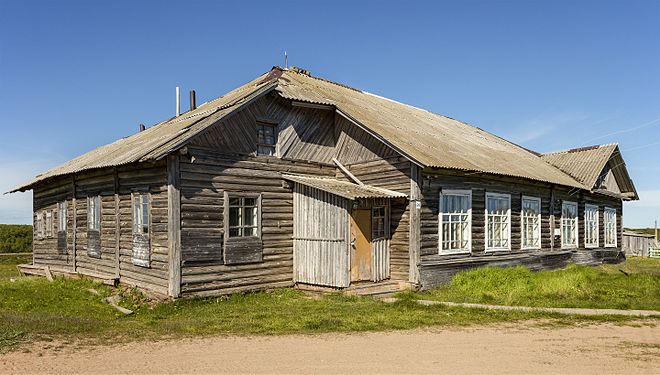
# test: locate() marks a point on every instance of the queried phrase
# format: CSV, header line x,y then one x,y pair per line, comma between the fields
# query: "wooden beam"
x,y
328,107
74,224
117,222
174,225
415,223
347,172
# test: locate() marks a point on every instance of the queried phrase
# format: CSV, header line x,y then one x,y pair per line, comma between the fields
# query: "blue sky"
x,y
549,75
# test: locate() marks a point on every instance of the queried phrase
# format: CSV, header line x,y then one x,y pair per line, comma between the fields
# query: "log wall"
x,y
437,268
116,234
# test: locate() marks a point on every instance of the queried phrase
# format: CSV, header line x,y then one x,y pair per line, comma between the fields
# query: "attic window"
x,y
266,138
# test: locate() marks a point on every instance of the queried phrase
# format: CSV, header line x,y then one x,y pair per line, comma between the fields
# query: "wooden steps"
x,y
382,289
45,271
377,290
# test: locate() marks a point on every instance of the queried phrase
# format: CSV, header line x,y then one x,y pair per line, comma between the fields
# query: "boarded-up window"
x,y
39,225
590,226
61,227
378,223
94,226
49,224
141,240
266,138
242,228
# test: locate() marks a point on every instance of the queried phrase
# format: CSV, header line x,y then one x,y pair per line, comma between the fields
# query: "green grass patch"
x,y
34,309
8,264
632,285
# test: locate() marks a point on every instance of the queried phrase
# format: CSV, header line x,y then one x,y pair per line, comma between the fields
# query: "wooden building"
x,y
295,180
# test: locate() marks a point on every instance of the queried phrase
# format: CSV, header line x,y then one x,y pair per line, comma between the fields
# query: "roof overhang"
x,y
343,189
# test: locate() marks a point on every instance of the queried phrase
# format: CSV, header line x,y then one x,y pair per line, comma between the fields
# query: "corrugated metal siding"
x,y
320,238
380,260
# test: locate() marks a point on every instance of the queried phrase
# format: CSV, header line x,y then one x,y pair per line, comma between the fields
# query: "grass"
x,y
605,286
33,309
8,264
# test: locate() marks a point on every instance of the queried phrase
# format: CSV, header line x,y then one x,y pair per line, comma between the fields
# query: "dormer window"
x,y
266,138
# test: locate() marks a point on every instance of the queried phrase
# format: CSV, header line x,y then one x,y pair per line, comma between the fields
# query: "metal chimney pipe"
x,y
193,100
142,127
178,101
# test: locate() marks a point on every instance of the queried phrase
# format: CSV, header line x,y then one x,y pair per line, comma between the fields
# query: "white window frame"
x,y
241,207
574,245
593,207
508,218
39,224
522,223
138,205
606,225
441,212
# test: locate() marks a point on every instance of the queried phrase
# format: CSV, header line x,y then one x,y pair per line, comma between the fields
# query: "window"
x,y
61,217
455,221
39,225
531,222
377,223
266,139
243,216
498,219
141,252
569,225
94,212
141,213
590,225
609,219
49,223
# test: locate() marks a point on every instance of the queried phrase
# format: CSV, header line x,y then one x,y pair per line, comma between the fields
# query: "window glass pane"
x,y
234,232
234,216
456,222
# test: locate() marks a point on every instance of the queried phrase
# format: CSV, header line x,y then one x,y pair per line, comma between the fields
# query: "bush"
x,y
15,238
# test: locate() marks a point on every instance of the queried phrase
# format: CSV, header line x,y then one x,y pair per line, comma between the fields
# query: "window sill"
x,y
611,246
497,250
454,252
531,248
591,246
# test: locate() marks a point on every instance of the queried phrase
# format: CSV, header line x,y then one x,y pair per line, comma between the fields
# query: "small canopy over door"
x,y
326,252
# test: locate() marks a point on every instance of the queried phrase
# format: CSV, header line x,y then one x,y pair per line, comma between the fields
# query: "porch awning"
x,y
344,189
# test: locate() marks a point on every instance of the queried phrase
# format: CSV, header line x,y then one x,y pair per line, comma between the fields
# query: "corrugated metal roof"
x,y
426,138
342,188
584,164
159,140
430,139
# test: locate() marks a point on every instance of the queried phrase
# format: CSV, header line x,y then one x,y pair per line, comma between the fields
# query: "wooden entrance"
x,y
360,245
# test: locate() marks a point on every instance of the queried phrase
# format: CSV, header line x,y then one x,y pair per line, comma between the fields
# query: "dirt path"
x,y
598,349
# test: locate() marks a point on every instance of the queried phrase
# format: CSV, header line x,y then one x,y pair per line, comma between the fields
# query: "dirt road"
x,y
599,349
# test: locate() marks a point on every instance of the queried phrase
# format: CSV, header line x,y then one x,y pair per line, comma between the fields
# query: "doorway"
x,y
360,245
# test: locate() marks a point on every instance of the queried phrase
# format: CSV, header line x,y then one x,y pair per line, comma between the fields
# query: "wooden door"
x,y
360,245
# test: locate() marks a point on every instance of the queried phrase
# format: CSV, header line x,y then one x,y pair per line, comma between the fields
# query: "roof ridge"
x,y
579,149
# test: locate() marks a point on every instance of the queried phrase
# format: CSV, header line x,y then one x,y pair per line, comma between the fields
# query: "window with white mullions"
x,y
609,219
590,225
266,139
377,223
531,223
140,213
49,224
455,221
243,217
498,222
569,225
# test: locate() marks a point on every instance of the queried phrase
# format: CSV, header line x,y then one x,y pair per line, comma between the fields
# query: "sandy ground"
x,y
597,349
